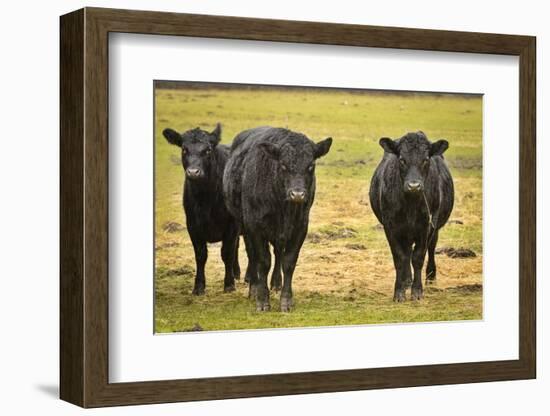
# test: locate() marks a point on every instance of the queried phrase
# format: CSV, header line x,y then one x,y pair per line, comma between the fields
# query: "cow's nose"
x,y
414,186
193,172
297,196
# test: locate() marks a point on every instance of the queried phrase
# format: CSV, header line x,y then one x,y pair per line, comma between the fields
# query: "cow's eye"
x,y
207,151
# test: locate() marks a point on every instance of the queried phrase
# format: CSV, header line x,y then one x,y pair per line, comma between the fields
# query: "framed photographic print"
x,y
256,207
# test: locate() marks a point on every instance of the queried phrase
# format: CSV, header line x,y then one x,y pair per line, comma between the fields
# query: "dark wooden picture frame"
x,y
84,207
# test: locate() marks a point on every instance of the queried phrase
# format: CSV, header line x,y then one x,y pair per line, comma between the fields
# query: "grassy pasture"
x,y
345,273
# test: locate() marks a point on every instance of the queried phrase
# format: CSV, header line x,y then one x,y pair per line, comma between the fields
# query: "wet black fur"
x,y
207,217
404,215
265,165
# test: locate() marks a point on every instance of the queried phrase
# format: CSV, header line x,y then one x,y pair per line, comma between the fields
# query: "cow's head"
x,y
197,149
296,164
414,152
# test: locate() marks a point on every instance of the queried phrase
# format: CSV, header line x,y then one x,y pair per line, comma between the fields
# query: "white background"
x,y
29,209
131,202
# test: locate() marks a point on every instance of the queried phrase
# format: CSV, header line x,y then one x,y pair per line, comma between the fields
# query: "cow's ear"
x,y
272,150
439,147
322,147
388,145
173,137
216,134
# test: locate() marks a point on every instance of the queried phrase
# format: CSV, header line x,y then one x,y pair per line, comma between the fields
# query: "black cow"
x,y
208,220
269,186
412,195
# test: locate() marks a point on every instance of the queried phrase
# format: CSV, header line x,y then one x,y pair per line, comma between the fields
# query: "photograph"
x,y
297,206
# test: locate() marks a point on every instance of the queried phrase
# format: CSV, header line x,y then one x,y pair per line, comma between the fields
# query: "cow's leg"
x,y
290,257
228,257
201,254
236,267
430,268
401,253
263,263
251,276
276,276
418,256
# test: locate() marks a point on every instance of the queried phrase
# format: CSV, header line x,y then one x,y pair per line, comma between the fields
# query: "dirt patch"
x,y
167,245
331,234
356,246
326,258
194,328
455,253
172,227
473,288
184,271
432,289
344,232
457,222
314,238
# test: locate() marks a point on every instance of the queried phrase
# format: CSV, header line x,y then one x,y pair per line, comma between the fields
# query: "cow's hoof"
x,y
430,277
417,294
276,287
263,306
198,291
286,304
399,296
229,288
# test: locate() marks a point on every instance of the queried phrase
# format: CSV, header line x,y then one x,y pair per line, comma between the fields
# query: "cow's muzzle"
x,y
194,173
414,186
297,195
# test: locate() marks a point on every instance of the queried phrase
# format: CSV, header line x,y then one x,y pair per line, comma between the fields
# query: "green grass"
x,y
345,273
